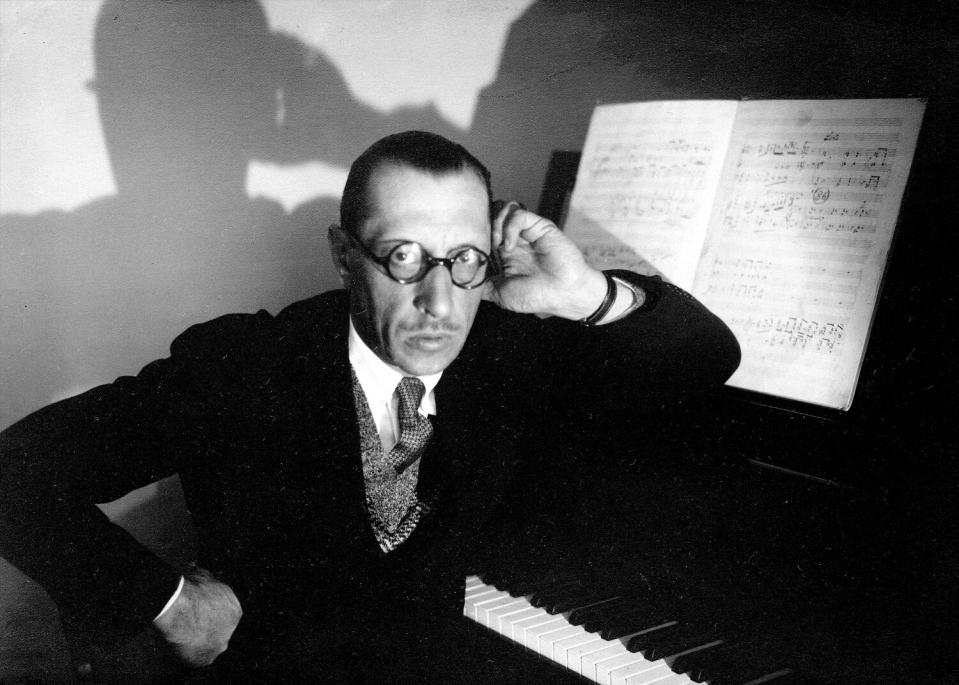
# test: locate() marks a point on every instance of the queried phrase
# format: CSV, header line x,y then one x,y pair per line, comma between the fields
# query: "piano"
x,y
605,638
791,546
687,571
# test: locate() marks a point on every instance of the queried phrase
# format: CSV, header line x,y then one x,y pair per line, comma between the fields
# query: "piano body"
x,y
757,539
689,571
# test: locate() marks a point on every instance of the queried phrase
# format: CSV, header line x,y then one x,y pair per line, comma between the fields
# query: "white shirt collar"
x,y
379,379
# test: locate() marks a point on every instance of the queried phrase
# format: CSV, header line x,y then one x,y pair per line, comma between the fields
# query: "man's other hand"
x,y
542,270
201,620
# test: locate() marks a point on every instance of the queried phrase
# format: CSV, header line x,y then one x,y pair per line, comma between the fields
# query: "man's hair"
x,y
416,149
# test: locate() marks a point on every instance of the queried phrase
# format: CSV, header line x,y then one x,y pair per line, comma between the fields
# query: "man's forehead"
x,y
403,199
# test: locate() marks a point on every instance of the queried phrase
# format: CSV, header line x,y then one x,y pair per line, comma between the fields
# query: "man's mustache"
x,y
430,327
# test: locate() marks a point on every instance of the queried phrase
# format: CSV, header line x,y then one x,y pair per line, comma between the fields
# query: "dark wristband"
x,y
605,305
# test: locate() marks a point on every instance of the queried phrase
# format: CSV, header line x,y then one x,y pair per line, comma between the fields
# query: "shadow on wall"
x,y
189,94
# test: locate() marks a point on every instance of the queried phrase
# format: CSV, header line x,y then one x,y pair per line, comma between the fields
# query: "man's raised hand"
x,y
199,623
542,270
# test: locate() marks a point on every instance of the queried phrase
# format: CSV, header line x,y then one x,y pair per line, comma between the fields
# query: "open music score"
x,y
777,214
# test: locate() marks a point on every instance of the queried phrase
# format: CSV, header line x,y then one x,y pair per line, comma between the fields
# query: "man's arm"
x,y
653,336
594,393
56,463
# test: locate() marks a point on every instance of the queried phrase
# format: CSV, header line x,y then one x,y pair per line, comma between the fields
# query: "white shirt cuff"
x,y
627,299
179,589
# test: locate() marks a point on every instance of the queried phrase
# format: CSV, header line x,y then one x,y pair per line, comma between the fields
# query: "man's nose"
x,y
434,294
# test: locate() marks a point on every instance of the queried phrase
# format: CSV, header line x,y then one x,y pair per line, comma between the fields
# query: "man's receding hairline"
x,y
384,165
399,164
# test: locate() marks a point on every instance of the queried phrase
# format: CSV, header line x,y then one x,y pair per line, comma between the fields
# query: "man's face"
x,y
419,327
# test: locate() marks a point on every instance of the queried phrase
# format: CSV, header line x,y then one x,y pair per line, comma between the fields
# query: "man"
x,y
331,512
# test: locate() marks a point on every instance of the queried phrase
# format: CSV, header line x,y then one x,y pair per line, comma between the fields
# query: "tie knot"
x,y
415,430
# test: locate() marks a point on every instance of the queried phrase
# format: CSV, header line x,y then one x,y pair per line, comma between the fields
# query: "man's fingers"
x,y
201,619
505,228
514,221
498,216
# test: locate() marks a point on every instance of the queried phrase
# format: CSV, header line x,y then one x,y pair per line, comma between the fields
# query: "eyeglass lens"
x,y
410,262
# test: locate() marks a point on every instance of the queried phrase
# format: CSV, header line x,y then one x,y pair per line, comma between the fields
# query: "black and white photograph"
x,y
479,342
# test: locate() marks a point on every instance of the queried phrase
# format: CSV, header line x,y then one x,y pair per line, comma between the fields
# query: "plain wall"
x,y
162,164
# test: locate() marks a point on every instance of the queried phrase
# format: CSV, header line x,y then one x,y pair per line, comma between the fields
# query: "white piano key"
x,y
666,679
479,595
519,627
588,662
548,641
485,610
640,673
604,661
603,669
495,614
484,599
562,648
574,657
477,590
506,621
531,634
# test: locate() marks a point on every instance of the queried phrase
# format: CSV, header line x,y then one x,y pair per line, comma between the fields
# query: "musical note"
x,y
778,215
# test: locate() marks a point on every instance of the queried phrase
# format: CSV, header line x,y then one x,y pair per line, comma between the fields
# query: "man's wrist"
x,y
622,298
629,298
579,301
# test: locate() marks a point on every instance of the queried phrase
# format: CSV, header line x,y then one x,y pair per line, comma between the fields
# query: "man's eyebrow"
x,y
467,246
401,240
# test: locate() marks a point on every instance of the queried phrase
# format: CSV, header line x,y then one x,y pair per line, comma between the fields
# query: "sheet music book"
x,y
776,214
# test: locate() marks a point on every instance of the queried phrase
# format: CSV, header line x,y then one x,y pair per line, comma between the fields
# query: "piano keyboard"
x,y
620,660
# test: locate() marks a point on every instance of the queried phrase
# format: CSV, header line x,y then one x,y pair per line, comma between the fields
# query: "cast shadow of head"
x,y
189,94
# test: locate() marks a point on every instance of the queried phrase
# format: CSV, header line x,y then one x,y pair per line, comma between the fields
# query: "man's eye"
x,y
468,257
404,254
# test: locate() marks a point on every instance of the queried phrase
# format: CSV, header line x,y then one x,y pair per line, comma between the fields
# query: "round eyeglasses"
x,y
409,262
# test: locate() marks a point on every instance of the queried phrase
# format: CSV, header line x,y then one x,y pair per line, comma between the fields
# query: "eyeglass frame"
x,y
431,261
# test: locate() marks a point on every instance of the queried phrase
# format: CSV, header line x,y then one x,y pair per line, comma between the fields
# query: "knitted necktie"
x,y
415,429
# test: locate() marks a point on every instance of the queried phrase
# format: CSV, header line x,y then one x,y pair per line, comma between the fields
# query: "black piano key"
x,y
546,595
734,664
594,618
696,664
520,584
783,676
575,600
635,621
661,644
575,607
644,640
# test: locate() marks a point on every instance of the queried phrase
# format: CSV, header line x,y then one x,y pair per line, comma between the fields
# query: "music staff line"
x,y
747,177
791,331
787,123
767,266
743,298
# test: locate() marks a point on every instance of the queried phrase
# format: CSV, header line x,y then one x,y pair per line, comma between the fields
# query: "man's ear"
x,y
339,250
